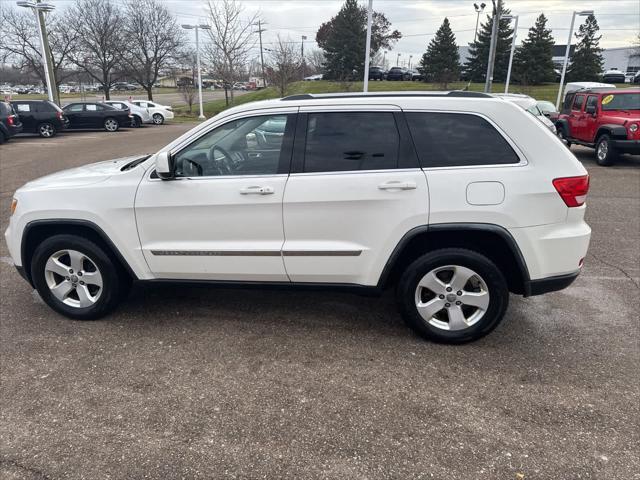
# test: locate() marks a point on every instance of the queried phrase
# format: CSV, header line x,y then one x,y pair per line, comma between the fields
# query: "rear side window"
x,y
23,107
351,141
458,139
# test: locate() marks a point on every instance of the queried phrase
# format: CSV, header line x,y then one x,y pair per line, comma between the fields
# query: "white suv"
x,y
455,199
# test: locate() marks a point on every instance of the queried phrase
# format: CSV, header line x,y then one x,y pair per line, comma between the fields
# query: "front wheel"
x,y
453,295
158,119
136,122
77,278
605,152
111,125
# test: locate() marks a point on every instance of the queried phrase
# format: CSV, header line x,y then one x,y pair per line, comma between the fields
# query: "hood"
x,y
85,175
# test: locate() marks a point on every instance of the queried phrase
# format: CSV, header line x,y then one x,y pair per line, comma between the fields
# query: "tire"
x,y
2,138
60,285
158,119
485,287
111,124
136,122
46,130
606,154
563,135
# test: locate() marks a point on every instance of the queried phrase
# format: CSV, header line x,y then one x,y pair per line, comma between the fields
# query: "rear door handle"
x,y
397,185
257,190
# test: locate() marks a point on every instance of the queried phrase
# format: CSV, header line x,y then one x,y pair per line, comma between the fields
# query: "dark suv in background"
x,y
399,73
40,116
377,73
10,124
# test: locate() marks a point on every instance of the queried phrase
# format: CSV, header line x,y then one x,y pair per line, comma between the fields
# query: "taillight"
x,y
573,190
59,115
11,120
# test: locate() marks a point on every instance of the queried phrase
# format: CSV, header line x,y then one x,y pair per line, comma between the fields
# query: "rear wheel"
x,y
111,125
453,295
158,119
46,130
605,152
136,122
77,278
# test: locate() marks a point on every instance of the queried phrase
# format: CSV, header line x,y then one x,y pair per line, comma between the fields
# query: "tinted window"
x,y
351,141
456,139
592,101
621,101
74,107
249,146
577,103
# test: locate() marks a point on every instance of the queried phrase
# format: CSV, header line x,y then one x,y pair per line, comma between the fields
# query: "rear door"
x,y
354,191
75,113
27,113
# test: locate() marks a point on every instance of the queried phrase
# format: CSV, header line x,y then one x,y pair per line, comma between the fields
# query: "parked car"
x,y
96,115
388,191
10,123
314,78
613,76
605,119
377,73
636,77
123,86
416,75
548,109
40,116
530,105
139,115
159,113
398,73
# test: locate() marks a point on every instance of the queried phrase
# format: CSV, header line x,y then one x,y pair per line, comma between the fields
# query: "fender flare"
x,y
563,123
616,131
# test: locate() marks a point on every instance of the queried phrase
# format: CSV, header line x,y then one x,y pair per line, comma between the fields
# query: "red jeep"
x,y
607,119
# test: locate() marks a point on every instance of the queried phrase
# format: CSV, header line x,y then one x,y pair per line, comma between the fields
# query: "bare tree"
x,y
231,40
315,61
188,93
285,64
153,40
21,45
100,43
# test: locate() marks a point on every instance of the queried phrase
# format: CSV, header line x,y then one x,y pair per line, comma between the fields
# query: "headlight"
x,y
14,205
633,127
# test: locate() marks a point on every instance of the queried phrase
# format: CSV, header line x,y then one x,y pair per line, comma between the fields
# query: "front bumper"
x,y
627,146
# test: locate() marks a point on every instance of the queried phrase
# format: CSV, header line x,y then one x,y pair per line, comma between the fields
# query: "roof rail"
x,y
323,96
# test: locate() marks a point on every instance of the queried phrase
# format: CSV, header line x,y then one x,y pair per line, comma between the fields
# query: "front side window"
x,y
249,146
577,103
351,141
458,139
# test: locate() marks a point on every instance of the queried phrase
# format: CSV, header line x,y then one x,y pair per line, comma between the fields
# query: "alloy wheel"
x,y
111,125
73,278
603,149
452,297
46,130
158,119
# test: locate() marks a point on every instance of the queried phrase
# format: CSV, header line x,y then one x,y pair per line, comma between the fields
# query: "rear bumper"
x,y
627,146
550,284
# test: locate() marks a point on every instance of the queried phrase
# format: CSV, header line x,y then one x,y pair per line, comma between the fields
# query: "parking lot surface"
x,y
199,382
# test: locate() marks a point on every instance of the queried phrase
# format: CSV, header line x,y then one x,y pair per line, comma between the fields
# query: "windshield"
x,y
621,101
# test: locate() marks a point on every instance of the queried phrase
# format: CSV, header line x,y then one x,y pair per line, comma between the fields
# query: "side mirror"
x,y
591,109
164,165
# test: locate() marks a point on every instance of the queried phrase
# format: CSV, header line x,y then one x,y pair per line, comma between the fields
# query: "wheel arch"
x,y
615,131
563,123
38,230
493,241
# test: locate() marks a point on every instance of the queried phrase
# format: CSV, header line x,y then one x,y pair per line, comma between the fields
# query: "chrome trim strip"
x,y
216,253
256,253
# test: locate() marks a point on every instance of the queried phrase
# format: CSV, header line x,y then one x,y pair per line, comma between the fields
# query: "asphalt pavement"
x,y
199,382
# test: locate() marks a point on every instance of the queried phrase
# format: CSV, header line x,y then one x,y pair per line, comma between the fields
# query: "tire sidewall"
x,y
496,284
111,286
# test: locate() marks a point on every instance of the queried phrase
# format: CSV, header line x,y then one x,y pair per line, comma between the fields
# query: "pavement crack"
x,y
621,270
14,463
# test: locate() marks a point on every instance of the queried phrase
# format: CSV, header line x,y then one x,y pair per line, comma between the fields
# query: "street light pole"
x,y
196,28
260,30
497,10
47,60
513,47
367,54
410,57
398,60
304,37
384,60
582,13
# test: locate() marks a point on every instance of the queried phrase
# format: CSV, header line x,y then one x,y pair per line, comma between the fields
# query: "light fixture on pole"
x,y
513,48
398,60
583,13
479,9
367,53
40,9
196,28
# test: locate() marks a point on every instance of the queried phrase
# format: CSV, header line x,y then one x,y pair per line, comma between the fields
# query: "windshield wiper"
x,y
134,163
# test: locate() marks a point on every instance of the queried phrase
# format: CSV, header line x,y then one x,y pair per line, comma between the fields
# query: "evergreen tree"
x,y
476,66
343,40
533,62
441,62
586,61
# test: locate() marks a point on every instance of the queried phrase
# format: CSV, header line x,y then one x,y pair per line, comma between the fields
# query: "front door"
x,y
591,119
75,114
577,116
221,217
355,190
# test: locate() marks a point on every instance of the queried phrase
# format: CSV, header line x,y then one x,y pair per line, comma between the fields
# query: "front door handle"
x,y
397,185
257,190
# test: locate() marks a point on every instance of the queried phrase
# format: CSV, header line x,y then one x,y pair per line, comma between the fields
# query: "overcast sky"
x,y
418,20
